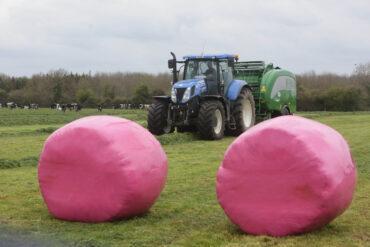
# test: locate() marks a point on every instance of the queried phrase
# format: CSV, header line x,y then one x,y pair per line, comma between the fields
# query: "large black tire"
x,y
244,112
211,120
283,112
157,118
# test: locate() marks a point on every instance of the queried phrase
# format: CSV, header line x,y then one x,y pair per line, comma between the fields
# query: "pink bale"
x,y
100,169
286,176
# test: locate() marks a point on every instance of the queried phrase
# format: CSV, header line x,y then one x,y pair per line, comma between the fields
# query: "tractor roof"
x,y
211,56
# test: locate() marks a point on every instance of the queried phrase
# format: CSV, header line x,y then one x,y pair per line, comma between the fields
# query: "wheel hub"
x,y
218,122
247,113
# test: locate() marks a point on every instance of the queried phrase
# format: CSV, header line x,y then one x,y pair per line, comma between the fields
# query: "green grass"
x,y
187,212
52,117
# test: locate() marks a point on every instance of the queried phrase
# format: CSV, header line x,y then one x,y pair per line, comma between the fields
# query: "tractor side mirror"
x,y
230,62
171,63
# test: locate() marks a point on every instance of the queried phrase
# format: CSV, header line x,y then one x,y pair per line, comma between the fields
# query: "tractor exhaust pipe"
x,y
172,64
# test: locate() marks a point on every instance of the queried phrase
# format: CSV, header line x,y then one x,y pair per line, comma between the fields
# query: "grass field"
x,y
187,212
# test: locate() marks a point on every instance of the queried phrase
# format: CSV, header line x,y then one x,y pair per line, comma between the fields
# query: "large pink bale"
x,y
101,168
286,176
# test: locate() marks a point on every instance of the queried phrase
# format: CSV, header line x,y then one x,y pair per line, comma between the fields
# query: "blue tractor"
x,y
208,99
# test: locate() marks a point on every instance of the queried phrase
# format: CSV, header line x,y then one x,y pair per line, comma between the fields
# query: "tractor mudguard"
x,y
234,89
164,98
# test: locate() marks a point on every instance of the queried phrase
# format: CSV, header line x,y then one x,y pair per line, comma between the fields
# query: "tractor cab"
x,y
202,75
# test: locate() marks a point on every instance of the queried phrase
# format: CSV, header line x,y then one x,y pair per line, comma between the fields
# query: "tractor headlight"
x,y
187,95
173,95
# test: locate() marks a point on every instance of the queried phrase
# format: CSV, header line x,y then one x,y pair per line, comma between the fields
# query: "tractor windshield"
x,y
200,68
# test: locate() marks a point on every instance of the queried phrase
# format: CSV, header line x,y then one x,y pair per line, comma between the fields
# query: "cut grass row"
x,y
14,139
20,151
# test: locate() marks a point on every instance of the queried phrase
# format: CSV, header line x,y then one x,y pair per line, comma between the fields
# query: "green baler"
x,y
273,88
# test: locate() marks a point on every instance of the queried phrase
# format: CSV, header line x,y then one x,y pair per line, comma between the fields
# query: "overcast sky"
x,y
118,35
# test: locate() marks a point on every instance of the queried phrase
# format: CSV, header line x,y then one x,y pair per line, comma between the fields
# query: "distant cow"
x,y
11,105
70,106
64,107
34,106
78,107
74,106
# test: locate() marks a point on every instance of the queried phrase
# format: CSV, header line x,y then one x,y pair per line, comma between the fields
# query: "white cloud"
x,y
93,35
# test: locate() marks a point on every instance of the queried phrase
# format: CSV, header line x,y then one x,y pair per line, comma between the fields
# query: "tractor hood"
x,y
183,91
187,83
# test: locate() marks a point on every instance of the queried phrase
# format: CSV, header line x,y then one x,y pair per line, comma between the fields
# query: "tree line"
x,y
315,92
332,92
88,90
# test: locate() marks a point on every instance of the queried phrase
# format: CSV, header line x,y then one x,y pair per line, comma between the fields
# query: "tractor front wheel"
x,y
211,120
157,118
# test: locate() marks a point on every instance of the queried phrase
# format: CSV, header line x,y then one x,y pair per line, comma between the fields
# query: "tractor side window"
x,y
226,73
191,69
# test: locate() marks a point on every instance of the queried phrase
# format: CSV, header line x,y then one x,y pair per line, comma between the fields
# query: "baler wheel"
x,y
285,111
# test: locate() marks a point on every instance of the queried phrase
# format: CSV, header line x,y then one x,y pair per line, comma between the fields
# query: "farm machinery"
x,y
218,94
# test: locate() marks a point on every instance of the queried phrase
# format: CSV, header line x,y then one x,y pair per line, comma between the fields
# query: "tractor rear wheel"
x,y
244,112
211,120
157,118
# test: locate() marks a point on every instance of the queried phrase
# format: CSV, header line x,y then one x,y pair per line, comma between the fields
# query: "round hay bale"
x,y
286,176
101,168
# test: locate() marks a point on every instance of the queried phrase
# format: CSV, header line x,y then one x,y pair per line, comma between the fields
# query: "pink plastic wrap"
x,y
286,176
101,168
